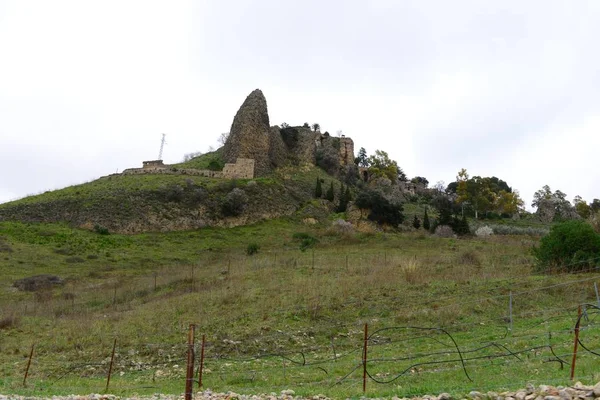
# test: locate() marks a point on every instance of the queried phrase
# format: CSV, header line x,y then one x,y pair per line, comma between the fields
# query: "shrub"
x,y
484,231
252,249
330,195
444,231
173,193
235,202
341,226
416,222
461,226
101,230
8,322
382,210
318,189
469,257
518,230
426,224
572,245
306,240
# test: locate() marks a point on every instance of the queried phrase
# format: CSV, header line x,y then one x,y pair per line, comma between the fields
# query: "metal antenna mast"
x,y
162,145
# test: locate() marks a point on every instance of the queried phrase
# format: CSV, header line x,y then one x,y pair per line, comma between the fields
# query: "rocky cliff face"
x,y
249,134
272,147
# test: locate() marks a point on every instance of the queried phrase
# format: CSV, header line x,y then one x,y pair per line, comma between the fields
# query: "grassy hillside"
x,y
142,203
285,318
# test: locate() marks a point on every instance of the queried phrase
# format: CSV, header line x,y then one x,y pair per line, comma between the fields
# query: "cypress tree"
x,y
318,189
426,221
329,195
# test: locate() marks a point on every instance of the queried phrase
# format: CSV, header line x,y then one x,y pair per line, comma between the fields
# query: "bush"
x,y
416,222
461,226
484,231
235,202
518,230
341,226
426,224
306,240
382,210
101,230
444,231
572,245
252,249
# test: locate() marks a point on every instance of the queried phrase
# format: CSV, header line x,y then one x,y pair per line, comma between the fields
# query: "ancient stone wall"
x,y
346,151
242,169
154,164
173,171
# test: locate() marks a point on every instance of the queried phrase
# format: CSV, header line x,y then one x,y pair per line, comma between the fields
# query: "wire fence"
x,y
524,337
390,355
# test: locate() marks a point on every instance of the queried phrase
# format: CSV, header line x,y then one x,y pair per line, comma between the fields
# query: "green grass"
x,y
203,161
264,314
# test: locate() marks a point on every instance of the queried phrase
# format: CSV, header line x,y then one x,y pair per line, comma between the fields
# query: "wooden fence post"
x,y
189,376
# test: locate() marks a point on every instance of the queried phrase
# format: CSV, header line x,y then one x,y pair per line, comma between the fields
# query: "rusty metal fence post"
x,y
576,343
112,359
365,358
28,365
189,376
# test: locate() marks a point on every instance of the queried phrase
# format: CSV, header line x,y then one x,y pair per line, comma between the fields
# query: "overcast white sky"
x,y
502,88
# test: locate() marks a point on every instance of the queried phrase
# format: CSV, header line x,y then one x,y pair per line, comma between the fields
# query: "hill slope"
x,y
161,203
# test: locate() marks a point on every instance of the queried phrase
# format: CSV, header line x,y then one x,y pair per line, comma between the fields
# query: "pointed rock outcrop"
x,y
249,134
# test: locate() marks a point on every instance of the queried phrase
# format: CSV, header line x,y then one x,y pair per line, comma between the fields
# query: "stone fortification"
x,y
346,151
249,134
243,168
154,164
253,148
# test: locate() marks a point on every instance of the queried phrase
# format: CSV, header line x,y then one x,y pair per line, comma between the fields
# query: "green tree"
x,y
419,180
595,205
330,195
318,189
460,226
316,127
342,199
426,224
382,211
582,208
380,164
572,245
416,222
362,160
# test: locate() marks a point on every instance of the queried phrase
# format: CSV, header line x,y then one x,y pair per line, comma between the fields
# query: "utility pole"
x,y
162,145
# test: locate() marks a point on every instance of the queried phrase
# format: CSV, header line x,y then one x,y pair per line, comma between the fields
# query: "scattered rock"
x,y
38,282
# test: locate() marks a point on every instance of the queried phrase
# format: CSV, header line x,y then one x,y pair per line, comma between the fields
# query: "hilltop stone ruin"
x,y
254,148
273,147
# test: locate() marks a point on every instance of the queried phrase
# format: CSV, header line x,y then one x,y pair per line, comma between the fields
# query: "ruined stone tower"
x,y
249,134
